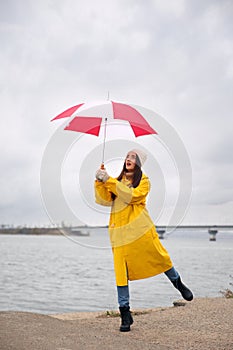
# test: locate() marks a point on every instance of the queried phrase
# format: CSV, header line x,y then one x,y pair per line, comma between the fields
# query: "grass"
x,y
228,293
113,313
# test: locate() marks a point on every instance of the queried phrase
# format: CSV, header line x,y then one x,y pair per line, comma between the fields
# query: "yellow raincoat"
x,y
137,250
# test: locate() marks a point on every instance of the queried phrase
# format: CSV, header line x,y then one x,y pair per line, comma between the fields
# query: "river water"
x,y
57,274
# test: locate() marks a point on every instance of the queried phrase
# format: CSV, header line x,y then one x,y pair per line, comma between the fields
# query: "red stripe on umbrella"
x,y
89,125
141,130
137,121
68,112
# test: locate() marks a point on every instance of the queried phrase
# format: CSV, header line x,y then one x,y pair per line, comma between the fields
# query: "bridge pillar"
x,y
212,233
161,233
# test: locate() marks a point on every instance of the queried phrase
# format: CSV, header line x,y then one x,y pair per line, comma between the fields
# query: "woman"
x,y
137,250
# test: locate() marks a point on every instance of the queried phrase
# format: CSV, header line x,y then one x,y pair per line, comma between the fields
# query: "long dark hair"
x,y
137,174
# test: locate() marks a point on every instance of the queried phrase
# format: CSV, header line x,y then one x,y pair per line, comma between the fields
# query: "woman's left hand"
x,y
102,175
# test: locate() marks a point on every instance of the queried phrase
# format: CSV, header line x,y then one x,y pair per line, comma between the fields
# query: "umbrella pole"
x,y
105,127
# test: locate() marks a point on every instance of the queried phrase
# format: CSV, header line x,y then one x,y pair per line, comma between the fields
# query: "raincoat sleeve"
x,y
129,195
102,194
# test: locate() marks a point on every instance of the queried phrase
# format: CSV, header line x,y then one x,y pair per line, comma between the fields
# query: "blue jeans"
x,y
123,295
123,291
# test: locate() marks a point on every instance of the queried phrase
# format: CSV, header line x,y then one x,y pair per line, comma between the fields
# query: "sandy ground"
x,y
205,323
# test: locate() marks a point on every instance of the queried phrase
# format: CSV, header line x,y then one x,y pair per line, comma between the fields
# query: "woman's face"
x,y
130,161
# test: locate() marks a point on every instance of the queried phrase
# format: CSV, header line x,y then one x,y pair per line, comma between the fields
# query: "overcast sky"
x,y
173,57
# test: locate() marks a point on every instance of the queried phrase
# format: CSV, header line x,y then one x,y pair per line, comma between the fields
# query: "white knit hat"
x,y
141,155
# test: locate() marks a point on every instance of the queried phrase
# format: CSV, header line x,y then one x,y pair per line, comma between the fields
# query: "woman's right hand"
x,y
101,175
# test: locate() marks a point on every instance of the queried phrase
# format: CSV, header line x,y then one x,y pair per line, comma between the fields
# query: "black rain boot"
x,y
185,292
126,318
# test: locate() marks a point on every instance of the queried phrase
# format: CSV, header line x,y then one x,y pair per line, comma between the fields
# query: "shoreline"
x,y
204,323
56,231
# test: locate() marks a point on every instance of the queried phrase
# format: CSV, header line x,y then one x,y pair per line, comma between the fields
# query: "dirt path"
x,y
202,324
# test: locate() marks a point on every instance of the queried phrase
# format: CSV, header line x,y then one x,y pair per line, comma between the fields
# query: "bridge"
x,y
197,227
211,229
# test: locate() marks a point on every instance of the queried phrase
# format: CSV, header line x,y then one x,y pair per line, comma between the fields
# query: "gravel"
x,y
205,323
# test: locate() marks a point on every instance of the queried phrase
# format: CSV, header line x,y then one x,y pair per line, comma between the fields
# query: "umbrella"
x,y
88,119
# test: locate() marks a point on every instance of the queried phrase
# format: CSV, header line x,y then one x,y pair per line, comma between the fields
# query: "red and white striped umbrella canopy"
x,y
87,118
